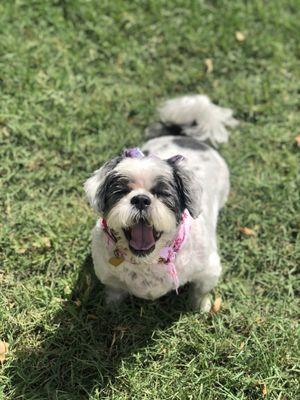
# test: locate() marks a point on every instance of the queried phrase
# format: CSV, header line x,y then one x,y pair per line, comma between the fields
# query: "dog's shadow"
x,y
87,341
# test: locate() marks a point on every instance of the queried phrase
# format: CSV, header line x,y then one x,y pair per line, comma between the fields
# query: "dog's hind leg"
x,y
114,296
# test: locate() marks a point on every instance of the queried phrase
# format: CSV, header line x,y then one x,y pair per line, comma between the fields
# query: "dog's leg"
x,y
205,282
114,296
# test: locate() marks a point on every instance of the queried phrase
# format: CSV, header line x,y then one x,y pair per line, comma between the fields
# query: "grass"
x,y
79,81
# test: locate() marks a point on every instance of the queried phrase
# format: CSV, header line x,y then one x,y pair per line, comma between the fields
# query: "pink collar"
x,y
166,256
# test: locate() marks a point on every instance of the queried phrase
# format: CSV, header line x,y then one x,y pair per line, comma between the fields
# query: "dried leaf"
x,y
42,242
4,131
21,250
46,242
122,328
3,347
297,140
3,351
240,37
92,317
242,345
247,231
217,305
77,302
32,165
264,390
259,319
209,65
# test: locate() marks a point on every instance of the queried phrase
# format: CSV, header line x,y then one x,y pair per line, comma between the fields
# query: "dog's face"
x,y
142,200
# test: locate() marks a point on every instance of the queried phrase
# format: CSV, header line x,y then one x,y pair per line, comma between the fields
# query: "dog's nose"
x,y
141,201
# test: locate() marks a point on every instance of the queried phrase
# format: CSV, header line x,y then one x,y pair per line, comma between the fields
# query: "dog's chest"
x,y
149,282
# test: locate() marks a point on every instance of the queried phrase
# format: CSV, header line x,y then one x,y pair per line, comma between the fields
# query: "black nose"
x,y
141,201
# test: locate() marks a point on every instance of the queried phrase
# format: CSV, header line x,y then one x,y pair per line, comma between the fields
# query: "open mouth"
x,y
142,238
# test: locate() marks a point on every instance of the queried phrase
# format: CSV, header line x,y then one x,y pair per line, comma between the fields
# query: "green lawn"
x,y
79,81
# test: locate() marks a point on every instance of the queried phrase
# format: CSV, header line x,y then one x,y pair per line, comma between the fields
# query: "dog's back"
x,y
187,126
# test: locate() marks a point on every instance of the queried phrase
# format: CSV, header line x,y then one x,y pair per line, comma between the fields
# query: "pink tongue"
x,y
142,236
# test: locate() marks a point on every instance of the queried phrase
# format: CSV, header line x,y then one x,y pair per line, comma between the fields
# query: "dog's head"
x,y
142,200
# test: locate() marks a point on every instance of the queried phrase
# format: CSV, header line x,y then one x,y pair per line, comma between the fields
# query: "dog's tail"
x,y
195,116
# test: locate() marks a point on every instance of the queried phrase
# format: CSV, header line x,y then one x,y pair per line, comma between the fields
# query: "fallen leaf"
x,y
5,131
242,345
46,242
21,250
240,37
264,390
209,65
3,351
297,140
217,305
122,328
247,231
77,302
32,165
259,319
3,347
42,242
92,317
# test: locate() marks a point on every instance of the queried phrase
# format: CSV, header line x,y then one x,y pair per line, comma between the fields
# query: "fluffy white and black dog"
x,y
158,206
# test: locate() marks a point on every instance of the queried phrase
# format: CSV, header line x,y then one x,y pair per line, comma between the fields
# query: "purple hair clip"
x,y
135,152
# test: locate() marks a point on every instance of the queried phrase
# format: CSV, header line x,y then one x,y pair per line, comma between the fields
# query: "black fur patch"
x,y
187,142
167,192
188,195
173,129
115,187
163,128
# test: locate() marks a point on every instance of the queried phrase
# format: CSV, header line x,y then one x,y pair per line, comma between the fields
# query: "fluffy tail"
x,y
194,116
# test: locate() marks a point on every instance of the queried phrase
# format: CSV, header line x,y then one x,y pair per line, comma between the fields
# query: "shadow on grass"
x,y
84,352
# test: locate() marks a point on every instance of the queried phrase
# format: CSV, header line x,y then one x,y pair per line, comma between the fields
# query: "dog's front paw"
x,y
205,303
201,302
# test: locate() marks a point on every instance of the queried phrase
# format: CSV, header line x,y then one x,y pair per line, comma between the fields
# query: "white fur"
x,y
211,119
198,261
122,216
91,185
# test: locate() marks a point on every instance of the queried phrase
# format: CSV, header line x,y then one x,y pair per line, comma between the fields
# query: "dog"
x,y
158,206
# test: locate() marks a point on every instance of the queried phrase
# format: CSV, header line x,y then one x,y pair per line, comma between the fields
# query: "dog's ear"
x,y
95,185
188,189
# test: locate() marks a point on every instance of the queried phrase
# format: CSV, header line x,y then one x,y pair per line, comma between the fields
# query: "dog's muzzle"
x,y
142,238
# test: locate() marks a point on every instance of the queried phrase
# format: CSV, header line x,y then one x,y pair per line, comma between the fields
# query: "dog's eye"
x,y
119,188
160,190
122,190
160,193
